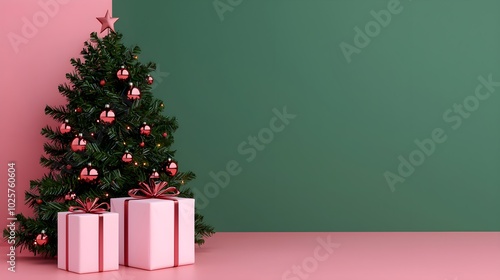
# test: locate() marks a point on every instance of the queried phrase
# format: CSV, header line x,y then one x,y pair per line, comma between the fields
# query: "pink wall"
x,y
37,39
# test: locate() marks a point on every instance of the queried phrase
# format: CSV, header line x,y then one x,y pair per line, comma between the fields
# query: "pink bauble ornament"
x,y
107,116
127,157
145,129
78,144
89,174
171,168
133,93
155,175
122,74
70,196
149,80
65,127
41,239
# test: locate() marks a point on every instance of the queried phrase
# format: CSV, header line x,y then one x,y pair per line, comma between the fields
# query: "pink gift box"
x,y
92,242
151,232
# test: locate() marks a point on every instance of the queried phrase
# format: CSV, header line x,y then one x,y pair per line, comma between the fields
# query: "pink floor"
x,y
299,256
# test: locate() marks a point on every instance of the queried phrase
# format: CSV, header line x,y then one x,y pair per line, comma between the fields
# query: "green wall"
x,y
324,170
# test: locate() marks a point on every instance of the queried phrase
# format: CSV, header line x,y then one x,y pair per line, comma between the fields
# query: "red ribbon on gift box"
x,y
154,190
89,206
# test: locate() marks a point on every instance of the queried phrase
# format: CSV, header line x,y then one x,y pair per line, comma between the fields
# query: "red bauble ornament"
x,y
133,93
41,239
68,166
102,83
39,201
149,80
142,144
70,196
155,175
171,168
165,134
89,174
107,116
122,74
79,144
145,129
127,157
65,127
78,110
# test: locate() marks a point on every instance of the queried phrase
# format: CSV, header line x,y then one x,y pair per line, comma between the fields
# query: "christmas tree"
x,y
112,136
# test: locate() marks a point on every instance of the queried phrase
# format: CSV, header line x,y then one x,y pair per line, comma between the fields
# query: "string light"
x,y
158,145
124,143
135,163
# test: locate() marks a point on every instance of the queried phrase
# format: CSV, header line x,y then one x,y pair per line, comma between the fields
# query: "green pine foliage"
x,y
91,86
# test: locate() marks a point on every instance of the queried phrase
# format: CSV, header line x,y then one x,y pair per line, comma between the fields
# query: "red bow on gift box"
x,y
89,206
154,190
